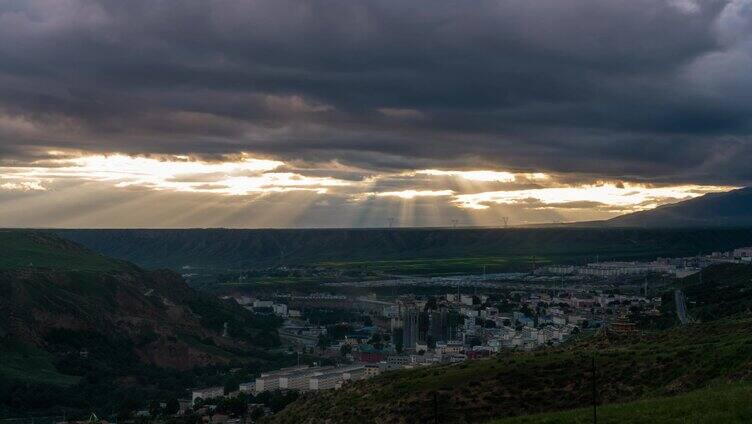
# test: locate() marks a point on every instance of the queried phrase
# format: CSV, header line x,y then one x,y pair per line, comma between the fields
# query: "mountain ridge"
x,y
70,297
723,209
240,249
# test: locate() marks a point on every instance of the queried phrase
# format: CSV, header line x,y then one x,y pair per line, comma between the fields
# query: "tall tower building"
x,y
410,328
440,325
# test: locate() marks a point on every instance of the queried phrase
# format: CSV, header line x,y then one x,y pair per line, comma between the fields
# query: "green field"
x,y
27,363
444,266
731,403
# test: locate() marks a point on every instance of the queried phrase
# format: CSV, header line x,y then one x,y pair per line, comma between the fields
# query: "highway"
x,y
681,307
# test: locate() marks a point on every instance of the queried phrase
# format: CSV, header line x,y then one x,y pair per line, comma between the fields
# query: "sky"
x,y
353,113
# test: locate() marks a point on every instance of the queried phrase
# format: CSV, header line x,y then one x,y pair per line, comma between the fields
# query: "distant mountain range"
x,y
727,209
234,249
708,223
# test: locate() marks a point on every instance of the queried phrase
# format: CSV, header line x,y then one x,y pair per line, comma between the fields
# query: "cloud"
x,y
240,176
627,198
411,194
356,97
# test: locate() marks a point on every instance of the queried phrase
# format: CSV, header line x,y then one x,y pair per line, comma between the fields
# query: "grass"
x,y
24,249
516,384
203,347
717,404
444,266
27,363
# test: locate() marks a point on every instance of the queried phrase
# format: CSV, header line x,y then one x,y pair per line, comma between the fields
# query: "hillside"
x,y
642,368
729,209
240,249
723,403
68,315
718,291
513,384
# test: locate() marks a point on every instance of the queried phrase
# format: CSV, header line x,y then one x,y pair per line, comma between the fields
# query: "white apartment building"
x,y
207,393
249,387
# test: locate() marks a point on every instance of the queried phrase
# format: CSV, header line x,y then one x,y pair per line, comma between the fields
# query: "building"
x,y
370,355
262,303
249,387
207,393
616,269
743,252
271,380
451,347
295,381
398,361
439,324
410,328
371,370
280,309
325,381
334,378
622,326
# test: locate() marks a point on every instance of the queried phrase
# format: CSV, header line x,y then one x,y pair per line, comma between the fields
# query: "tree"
x,y
155,409
376,341
231,385
323,342
173,406
198,402
345,349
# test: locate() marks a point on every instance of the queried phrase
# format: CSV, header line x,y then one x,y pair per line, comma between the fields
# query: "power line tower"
x,y
455,222
391,220
505,221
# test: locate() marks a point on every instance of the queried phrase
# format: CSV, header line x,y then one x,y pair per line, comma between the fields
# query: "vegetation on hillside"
x,y
718,291
24,249
395,250
722,403
80,332
512,384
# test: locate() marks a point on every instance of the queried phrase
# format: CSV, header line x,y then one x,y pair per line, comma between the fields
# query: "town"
x,y
463,318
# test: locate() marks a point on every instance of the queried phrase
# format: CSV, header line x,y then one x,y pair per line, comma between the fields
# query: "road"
x,y
681,307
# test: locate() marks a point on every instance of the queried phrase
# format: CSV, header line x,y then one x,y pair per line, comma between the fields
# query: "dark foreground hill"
x,y
241,249
78,329
729,209
646,368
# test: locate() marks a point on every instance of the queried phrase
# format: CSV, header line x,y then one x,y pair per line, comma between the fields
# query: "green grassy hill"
x,y
22,249
723,403
718,291
83,332
513,384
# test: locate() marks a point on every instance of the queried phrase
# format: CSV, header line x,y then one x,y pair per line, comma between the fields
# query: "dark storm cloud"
x,y
642,90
